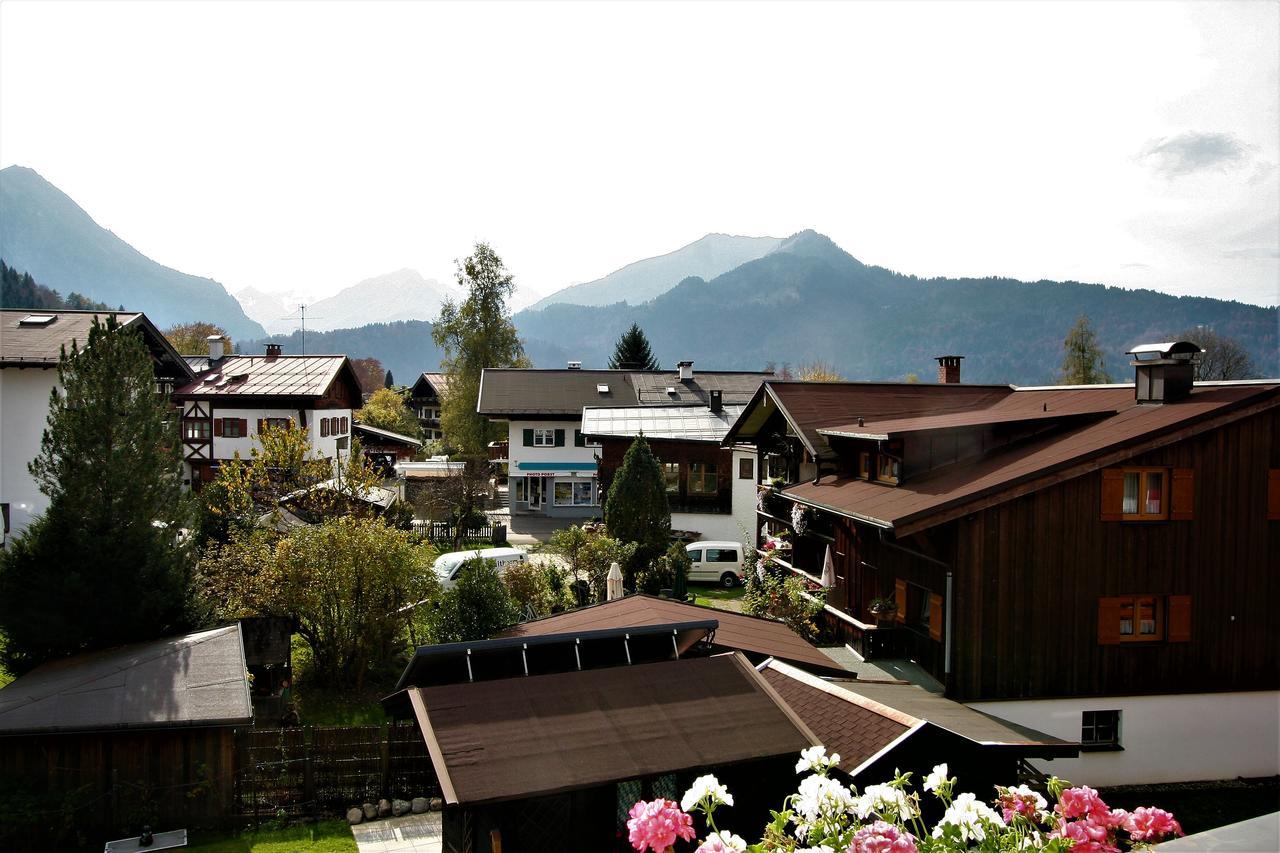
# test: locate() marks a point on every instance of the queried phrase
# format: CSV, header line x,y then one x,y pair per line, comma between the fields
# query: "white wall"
x,y
735,527
24,408
1171,738
517,452
227,448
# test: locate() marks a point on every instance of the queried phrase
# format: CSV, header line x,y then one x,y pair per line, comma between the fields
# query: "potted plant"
x,y
885,610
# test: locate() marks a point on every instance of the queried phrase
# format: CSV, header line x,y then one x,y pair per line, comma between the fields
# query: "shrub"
x,y
538,588
476,607
784,599
589,554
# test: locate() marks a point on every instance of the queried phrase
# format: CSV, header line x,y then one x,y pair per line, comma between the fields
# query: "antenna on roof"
x,y
302,344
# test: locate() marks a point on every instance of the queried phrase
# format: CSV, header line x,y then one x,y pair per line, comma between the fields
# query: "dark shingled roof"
x,y
521,391
736,631
932,498
28,345
528,737
193,680
859,719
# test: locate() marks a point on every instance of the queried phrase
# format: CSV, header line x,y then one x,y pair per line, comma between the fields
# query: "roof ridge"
x,y
861,701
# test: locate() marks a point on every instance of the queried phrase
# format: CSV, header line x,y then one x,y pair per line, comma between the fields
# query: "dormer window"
x,y
888,469
864,464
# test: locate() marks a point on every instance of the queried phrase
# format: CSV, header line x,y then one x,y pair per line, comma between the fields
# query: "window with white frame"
x,y
544,438
574,493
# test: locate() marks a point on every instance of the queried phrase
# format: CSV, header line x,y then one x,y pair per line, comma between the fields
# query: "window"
x,y
582,494
864,464
578,440
234,428
195,429
1145,491
574,493
695,556
324,427
702,478
564,493
275,423
746,469
1144,618
671,473
721,555
520,489
887,468
1139,619
1100,730
544,438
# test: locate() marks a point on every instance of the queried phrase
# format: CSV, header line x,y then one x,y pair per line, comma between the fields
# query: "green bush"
x,y
476,607
670,571
539,588
784,599
589,554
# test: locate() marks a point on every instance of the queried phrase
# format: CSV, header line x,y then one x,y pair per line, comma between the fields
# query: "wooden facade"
x,y
682,453
1020,597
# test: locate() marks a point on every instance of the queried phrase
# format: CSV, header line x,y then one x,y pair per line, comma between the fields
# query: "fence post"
x,y
308,770
386,760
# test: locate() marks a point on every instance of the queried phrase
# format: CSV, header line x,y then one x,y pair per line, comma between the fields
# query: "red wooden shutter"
x,y
935,617
1108,621
1112,494
262,424
1184,492
324,427
217,426
345,426
1179,619
900,598
244,427
1273,494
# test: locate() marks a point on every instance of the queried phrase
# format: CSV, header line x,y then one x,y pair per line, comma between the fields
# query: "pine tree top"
x,y
632,352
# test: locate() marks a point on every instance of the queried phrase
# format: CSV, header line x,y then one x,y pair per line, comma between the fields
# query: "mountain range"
x,y
400,295
44,233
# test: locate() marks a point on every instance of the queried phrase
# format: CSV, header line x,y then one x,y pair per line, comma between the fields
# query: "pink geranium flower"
x,y
1083,802
1150,824
881,837
656,825
1086,837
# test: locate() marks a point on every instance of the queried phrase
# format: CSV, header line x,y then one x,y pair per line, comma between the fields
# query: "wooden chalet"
x,y
425,399
1096,562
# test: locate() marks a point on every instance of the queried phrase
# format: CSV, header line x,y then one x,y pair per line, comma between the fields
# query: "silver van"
x,y
447,566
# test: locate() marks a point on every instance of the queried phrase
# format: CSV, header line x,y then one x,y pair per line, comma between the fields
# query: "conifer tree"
x,y
632,352
109,561
636,508
389,382
1083,362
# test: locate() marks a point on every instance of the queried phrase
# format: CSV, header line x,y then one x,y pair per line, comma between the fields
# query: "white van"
x,y
716,562
447,566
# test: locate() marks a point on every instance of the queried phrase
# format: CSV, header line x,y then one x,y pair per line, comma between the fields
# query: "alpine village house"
x,y
1095,562
235,397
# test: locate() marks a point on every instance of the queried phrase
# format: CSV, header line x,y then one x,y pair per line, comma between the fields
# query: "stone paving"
x,y
411,833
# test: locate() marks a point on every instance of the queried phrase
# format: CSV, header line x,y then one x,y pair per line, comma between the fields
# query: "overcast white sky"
x,y
304,146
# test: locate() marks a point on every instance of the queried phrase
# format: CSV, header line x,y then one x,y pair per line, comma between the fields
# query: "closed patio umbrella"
x,y
613,587
828,570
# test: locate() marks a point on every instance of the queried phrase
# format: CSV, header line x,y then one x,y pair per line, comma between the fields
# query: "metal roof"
x,y
266,376
519,738
193,680
564,392
386,434
690,423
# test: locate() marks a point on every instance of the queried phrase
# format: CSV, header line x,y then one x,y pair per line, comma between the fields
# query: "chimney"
x,y
717,401
1164,373
217,347
575,365
273,350
948,369
686,371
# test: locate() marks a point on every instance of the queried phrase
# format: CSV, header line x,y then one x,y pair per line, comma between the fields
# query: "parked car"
x,y
447,566
716,562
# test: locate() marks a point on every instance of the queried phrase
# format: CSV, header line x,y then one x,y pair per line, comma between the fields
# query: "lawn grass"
x,y
712,596
329,836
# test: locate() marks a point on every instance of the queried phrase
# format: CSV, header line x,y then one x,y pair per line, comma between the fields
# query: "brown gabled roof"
x,y
736,631
562,392
193,680
40,345
926,500
520,738
811,406
859,719
267,376
439,382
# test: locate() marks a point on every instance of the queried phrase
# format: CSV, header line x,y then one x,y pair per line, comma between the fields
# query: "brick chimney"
x,y
948,369
274,350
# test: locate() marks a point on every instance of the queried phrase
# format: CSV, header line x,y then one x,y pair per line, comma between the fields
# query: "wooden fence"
x,y
315,769
441,533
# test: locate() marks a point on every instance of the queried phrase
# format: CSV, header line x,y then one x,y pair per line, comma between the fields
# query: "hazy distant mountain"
x,y
45,233
644,280
400,295
809,299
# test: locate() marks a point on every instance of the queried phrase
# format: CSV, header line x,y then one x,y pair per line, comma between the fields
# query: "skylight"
x,y
671,390
37,320
602,388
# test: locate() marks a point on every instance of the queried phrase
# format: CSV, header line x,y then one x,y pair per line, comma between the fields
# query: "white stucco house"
x,y
235,397
553,466
30,345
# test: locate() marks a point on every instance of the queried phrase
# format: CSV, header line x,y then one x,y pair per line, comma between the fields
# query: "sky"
x,y
305,146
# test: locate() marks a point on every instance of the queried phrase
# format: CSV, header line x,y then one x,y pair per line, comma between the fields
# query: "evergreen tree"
x,y
632,352
389,382
1083,362
109,562
474,334
636,508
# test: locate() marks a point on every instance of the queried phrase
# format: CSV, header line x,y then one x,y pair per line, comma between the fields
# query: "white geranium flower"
x,y
815,758
971,815
821,798
706,789
728,841
937,778
886,801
